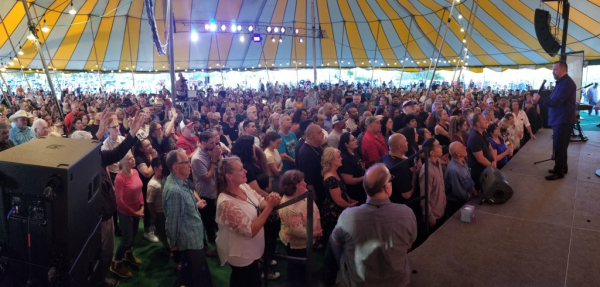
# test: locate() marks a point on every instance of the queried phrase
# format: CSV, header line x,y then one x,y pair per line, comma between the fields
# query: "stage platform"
x,y
547,234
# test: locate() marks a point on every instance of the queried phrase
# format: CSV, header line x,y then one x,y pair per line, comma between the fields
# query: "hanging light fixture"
x,y
45,28
72,11
30,36
21,51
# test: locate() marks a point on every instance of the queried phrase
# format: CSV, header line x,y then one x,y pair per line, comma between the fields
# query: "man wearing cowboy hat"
x,y
21,133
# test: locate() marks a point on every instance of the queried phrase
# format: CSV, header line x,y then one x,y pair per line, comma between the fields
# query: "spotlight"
x,y
194,35
206,26
45,28
239,28
459,16
464,40
282,30
213,27
223,27
256,38
72,11
276,30
233,28
269,29
250,28
462,29
272,39
242,38
280,40
301,40
297,31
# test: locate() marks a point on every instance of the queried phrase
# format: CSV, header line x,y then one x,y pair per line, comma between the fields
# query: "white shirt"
x,y
521,121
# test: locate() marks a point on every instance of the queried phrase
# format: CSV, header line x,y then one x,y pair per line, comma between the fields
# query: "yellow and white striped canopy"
x,y
115,34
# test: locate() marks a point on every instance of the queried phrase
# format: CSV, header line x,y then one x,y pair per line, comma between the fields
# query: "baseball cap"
x,y
337,118
408,103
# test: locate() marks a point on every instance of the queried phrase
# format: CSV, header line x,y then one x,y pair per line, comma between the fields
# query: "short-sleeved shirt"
x,y
232,132
388,229
272,157
353,165
155,195
20,137
141,159
288,146
201,162
477,142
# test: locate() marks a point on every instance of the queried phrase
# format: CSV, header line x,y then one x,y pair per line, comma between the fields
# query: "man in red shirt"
x,y
187,140
71,116
373,145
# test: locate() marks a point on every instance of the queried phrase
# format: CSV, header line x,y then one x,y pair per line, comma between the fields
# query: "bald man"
x,y
405,176
383,224
459,184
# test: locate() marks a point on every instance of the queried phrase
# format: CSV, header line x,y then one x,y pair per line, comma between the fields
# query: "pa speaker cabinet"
x,y
51,189
543,33
494,186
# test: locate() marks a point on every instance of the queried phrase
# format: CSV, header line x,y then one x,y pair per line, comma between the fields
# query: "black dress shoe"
x,y
552,171
554,176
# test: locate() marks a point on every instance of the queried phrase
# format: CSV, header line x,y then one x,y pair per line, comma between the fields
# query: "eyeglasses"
x,y
184,162
353,139
113,127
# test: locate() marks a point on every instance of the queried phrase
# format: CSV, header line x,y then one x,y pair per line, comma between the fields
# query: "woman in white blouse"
x,y
270,143
241,215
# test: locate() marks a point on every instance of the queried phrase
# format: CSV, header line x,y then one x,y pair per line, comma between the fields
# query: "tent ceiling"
x,y
115,34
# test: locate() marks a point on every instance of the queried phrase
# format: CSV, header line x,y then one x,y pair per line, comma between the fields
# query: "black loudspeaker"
x,y
494,186
50,207
543,33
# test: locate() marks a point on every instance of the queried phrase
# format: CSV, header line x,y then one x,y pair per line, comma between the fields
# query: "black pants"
x,y
197,267
247,276
561,139
296,272
147,217
208,214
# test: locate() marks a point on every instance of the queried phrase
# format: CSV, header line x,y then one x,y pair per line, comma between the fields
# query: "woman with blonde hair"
x,y
336,199
241,216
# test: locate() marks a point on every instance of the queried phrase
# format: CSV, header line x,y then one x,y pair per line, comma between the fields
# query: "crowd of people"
x,y
213,169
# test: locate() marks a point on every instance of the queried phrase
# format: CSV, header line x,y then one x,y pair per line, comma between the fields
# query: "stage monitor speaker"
x,y
50,190
543,33
494,186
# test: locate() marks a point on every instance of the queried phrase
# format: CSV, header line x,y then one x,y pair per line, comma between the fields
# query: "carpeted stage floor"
x,y
547,234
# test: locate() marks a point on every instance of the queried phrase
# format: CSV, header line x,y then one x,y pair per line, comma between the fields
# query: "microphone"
x,y
588,86
542,86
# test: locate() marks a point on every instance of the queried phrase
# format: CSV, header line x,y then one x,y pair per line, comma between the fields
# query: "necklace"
x,y
377,205
313,149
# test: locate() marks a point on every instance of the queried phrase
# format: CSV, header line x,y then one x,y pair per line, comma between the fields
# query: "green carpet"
x,y
589,122
157,270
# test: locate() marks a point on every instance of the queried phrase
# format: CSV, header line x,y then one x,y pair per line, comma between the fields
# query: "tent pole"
x,y
468,42
406,49
470,27
95,53
437,59
342,52
375,54
314,43
31,25
436,41
170,53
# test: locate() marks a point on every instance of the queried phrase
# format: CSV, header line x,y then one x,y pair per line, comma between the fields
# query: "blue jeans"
x,y
593,104
129,228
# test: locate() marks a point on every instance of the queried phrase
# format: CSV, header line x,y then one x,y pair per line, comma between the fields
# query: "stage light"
x,y
467,56
282,30
30,36
21,51
194,35
462,30
239,28
464,40
256,38
250,28
454,60
466,64
276,30
301,40
45,28
272,39
72,11
213,27
280,40
206,26
297,31
233,28
269,29
223,27
459,16
242,38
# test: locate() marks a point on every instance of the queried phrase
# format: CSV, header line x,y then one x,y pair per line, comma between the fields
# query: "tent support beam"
x,y
437,37
406,49
170,53
314,51
31,25
437,59
464,59
375,53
